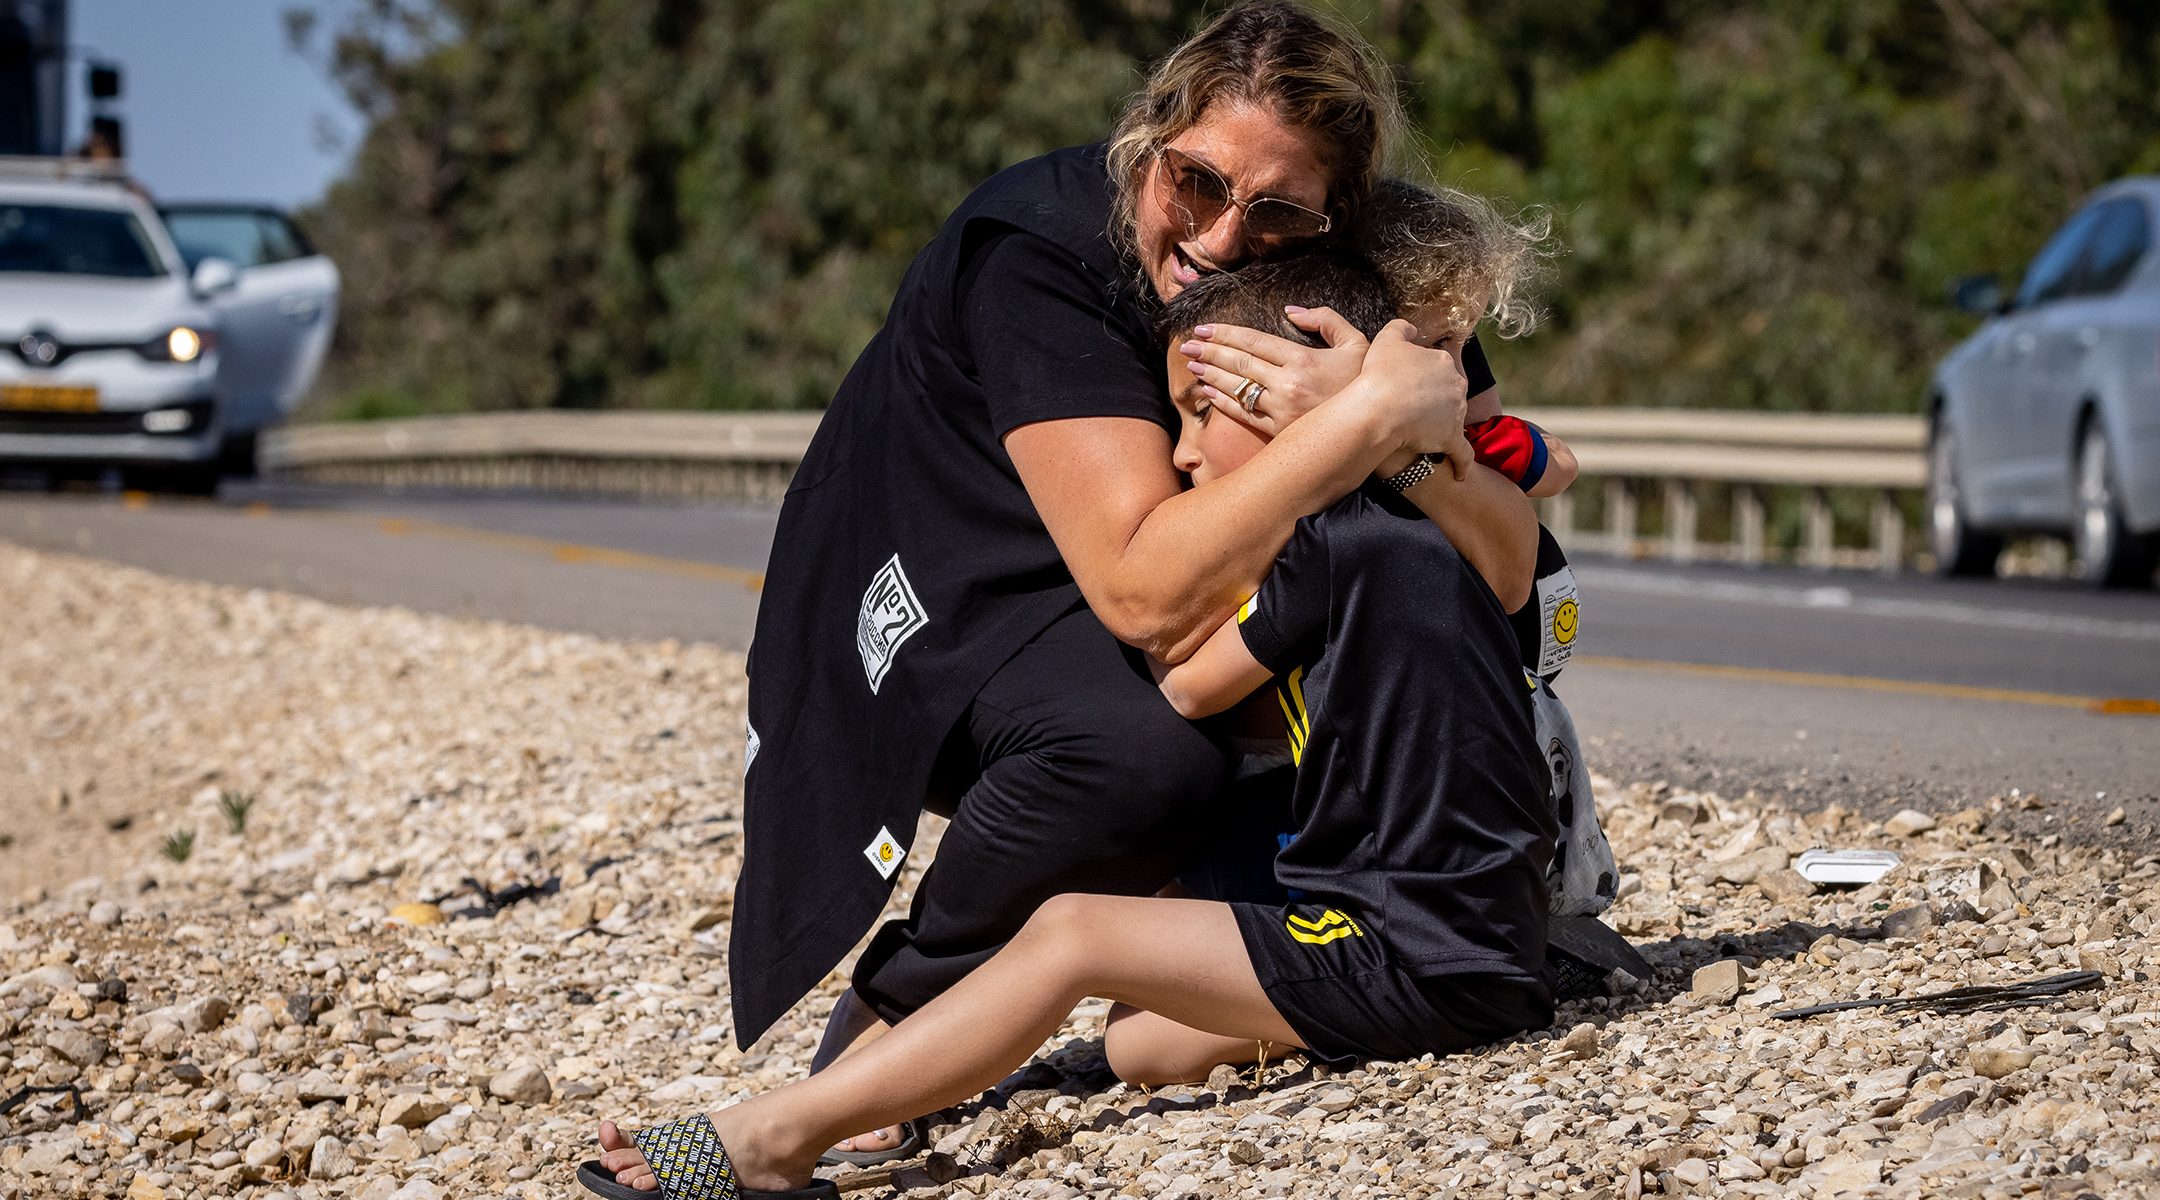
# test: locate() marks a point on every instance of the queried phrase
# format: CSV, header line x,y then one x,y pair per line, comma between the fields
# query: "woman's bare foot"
x,y
755,1168
853,1025
887,1138
619,1156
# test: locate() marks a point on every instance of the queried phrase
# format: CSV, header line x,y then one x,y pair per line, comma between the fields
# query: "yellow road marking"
x,y
572,552
2108,706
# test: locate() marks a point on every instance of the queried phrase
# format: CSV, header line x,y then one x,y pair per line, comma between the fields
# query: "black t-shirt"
x,y
1420,795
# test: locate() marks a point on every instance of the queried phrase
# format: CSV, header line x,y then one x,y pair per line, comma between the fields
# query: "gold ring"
x,y
1249,394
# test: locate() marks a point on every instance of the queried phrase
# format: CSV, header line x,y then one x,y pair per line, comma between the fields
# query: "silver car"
x,y
120,349
2047,420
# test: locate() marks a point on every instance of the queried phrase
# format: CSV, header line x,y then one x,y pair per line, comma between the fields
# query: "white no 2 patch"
x,y
890,616
884,853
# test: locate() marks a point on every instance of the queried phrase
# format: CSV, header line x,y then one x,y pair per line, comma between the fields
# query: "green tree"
x,y
691,203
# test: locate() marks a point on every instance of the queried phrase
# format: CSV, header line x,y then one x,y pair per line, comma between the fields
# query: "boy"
x,y
1343,626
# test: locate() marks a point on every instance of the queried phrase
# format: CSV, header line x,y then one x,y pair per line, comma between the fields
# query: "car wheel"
x,y
185,479
2108,554
1959,548
236,457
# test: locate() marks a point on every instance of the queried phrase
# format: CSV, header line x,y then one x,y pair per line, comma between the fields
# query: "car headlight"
x,y
180,344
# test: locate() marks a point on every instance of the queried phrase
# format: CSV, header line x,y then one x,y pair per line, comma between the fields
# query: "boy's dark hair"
x,y
1255,294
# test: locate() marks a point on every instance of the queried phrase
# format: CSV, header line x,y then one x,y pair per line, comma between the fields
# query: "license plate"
x,y
45,397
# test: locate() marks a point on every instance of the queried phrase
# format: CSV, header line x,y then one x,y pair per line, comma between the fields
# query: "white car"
x,y
2047,420
274,325
117,351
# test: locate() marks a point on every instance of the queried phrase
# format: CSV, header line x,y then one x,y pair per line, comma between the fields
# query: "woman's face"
x,y
1257,155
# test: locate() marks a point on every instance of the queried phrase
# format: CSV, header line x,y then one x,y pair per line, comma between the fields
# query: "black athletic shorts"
x,y
1329,973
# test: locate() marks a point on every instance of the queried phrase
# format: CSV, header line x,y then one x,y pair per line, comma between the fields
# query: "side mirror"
x,y
1981,295
214,275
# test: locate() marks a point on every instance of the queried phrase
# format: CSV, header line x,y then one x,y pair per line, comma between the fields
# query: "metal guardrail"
x,y
693,455
1730,463
1740,460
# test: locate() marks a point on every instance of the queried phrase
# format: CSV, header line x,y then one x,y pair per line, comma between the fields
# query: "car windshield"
x,y
50,239
245,237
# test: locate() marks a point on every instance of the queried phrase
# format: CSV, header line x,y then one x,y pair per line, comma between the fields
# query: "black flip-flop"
x,y
913,1135
1584,951
692,1165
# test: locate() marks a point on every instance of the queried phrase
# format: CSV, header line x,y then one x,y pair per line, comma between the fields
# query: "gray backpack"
x,y
1583,879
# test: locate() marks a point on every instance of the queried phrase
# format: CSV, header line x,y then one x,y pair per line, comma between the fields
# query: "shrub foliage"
x,y
708,203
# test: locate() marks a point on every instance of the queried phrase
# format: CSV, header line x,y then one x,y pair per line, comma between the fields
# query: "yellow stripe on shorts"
x,y
1333,924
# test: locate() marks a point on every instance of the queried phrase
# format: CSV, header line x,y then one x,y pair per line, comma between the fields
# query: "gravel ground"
x,y
481,895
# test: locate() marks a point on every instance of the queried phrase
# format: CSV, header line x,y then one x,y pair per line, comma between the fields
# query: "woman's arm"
x,y
1484,522
1163,566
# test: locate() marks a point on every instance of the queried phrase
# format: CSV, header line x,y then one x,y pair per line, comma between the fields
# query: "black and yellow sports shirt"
x,y
1421,797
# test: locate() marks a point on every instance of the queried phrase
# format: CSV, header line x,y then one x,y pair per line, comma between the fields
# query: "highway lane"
x,y
1868,691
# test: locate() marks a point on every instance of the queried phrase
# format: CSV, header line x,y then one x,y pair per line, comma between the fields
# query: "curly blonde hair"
x,y
1314,72
1444,248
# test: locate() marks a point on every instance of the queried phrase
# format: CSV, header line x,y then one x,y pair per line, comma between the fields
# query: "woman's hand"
x,y
1423,392
1296,377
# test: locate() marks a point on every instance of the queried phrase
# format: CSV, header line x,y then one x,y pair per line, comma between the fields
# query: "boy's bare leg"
x,y
853,1025
1180,958
1151,1050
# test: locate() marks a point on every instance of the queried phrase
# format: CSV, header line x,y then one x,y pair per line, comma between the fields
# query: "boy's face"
x,y
1209,444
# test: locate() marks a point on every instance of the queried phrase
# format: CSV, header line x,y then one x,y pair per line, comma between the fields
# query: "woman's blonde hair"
x,y
1315,73
1444,248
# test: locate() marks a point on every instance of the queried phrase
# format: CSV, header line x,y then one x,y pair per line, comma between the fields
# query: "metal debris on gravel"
x,y
297,1011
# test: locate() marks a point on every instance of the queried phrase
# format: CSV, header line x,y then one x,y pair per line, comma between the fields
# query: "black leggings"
x,y
1068,773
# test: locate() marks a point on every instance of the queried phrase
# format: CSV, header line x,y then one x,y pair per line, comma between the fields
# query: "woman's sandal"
x,y
691,1164
913,1135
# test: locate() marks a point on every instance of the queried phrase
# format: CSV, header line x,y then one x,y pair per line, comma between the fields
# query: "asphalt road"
x,y
1823,687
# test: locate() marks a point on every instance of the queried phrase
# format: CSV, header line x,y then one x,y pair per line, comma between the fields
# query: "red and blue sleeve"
x,y
1511,446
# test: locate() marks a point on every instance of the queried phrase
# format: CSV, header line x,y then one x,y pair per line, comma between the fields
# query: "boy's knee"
x,y
1057,924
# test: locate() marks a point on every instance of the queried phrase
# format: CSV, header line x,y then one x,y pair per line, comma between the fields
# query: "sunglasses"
x,y
1194,195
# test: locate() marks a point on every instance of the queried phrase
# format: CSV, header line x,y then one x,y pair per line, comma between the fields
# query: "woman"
x,y
987,527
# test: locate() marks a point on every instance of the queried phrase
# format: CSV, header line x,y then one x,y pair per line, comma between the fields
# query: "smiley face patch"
x,y
1560,620
885,853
